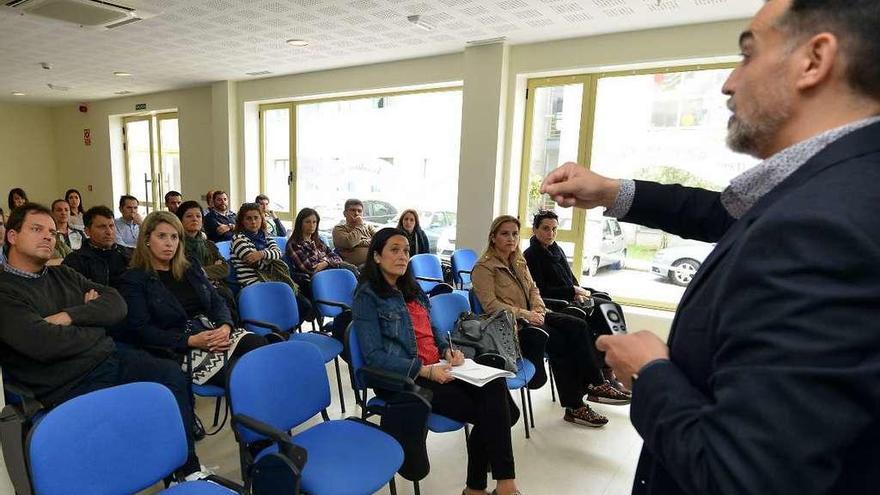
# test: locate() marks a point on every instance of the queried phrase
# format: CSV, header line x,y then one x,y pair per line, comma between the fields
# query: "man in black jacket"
x,y
52,327
769,381
100,259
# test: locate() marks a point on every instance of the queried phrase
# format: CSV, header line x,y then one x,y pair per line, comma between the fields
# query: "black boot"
x,y
533,341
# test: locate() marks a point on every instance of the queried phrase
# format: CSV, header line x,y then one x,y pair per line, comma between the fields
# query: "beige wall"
x,y
27,152
81,166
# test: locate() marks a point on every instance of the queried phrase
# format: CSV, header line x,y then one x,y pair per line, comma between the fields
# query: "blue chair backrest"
x,y
463,259
282,243
225,248
116,440
445,309
476,307
357,358
428,266
282,384
272,302
333,285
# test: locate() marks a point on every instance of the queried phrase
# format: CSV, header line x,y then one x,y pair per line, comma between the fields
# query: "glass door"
x,y
169,155
276,181
138,133
554,119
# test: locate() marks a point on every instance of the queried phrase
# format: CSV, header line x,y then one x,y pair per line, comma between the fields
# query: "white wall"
x,y
27,153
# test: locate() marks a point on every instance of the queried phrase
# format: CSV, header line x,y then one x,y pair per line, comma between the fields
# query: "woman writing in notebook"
x,y
391,314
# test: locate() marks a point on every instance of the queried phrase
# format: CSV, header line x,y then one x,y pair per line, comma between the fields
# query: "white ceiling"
x,y
194,42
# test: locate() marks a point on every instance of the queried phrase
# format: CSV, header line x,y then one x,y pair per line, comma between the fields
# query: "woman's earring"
x,y
147,244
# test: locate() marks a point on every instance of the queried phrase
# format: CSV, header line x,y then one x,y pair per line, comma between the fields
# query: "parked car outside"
x,y
679,264
376,213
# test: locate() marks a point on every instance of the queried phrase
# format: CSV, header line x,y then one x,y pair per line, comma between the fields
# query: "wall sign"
x,y
87,137
140,106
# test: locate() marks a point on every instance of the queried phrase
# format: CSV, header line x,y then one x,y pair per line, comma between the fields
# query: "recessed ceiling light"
x,y
125,92
122,74
297,43
18,93
417,20
258,73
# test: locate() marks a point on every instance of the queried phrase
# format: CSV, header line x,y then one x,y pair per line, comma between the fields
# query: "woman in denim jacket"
x,y
391,314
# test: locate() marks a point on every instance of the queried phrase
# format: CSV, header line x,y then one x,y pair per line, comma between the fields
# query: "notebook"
x,y
477,374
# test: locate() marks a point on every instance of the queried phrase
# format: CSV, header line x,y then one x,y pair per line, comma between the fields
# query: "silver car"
x,y
679,264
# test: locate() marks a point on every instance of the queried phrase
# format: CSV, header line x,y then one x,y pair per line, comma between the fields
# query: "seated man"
x,y
173,199
220,221
100,259
129,224
52,321
2,238
352,238
274,227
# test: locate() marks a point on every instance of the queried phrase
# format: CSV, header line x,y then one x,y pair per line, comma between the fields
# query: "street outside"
x,y
635,281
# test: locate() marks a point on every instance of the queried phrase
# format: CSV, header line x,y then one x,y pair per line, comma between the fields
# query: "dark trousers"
x,y
573,356
492,412
247,343
129,365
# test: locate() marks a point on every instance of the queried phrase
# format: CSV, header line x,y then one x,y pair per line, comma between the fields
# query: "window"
x,y
667,127
393,152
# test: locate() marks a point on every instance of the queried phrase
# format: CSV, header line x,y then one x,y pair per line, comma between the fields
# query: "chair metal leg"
x,y
392,486
525,412
531,411
339,385
552,384
217,411
416,490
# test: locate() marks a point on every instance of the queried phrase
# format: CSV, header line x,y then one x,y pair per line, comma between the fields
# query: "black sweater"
x,y
550,270
51,359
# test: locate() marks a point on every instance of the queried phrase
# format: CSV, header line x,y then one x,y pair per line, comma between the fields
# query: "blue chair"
x,y
446,308
278,387
427,270
358,371
225,248
333,291
463,261
524,373
282,243
117,440
270,307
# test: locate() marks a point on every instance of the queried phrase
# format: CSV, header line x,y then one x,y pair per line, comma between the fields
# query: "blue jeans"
x,y
129,365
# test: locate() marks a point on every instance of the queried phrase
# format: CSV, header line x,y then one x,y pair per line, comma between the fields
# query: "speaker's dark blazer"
x,y
774,381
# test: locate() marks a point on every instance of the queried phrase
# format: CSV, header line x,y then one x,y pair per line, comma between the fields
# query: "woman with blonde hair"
x,y
172,306
501,280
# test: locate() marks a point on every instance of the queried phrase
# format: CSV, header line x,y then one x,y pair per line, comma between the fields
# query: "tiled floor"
x,y
560,458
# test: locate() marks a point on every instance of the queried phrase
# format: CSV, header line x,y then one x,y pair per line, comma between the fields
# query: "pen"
x,y
449,336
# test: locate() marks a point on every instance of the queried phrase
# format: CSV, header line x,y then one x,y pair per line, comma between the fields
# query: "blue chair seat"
x,y
525,371
197,488
322,474
436,422
329,347
208,390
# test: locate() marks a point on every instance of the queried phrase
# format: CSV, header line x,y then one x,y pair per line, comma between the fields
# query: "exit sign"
x,y
140,106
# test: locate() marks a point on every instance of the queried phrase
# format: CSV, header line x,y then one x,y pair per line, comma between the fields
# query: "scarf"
x,y
197,248
259,238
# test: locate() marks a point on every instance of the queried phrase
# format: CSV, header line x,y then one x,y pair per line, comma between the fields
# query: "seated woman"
x,y
391,314
172,306
16,198
418,240
67,238
74,199
553,276
257,258
501,280
307,251
199,248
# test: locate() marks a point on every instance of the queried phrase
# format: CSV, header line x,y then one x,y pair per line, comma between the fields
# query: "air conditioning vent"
x,y
86,13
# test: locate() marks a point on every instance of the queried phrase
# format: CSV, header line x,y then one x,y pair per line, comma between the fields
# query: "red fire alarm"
x,y
83,108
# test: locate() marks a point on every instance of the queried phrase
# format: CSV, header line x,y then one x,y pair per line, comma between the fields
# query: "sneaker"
x,y
606,394
584,416
611,378
201,474
198,429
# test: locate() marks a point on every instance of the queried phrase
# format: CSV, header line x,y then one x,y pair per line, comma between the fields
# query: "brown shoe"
x,y
610,377
584,416
606,394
